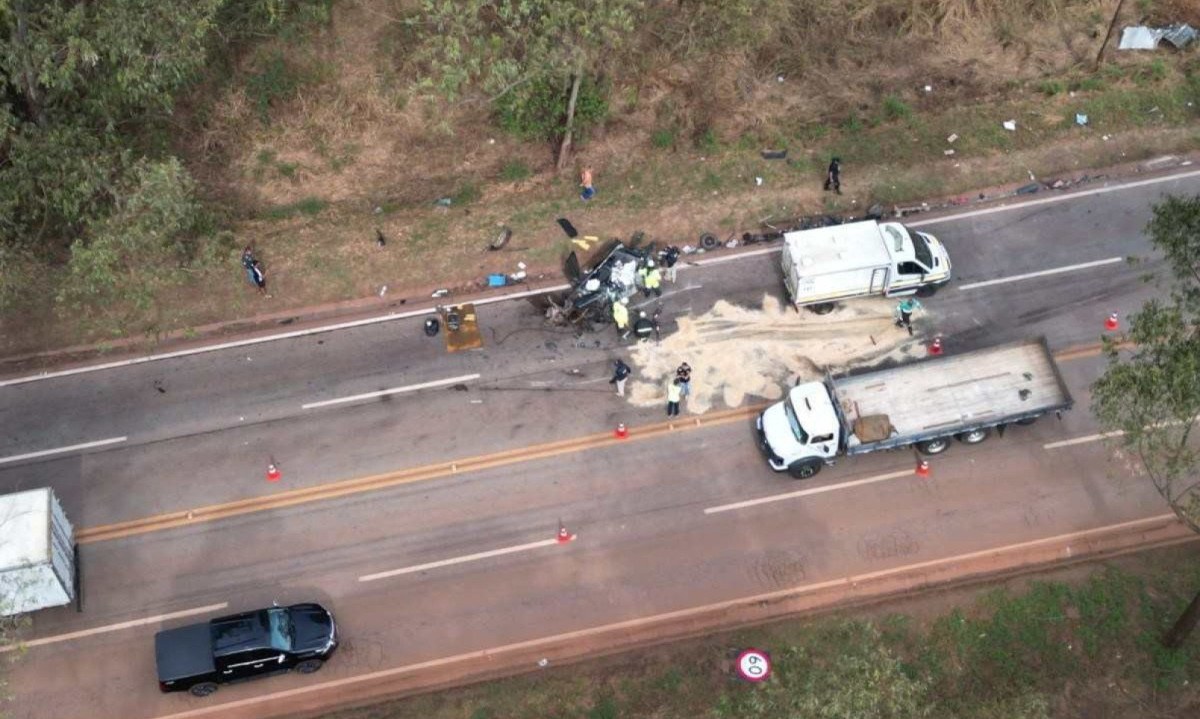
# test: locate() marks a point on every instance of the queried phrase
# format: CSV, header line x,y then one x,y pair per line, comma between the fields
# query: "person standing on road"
x,y
621,372
620,310
905,310
674,394
669,258
683,375
651,279
833,176
644,327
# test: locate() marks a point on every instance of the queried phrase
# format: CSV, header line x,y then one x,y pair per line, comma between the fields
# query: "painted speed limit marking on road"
x,y
753,665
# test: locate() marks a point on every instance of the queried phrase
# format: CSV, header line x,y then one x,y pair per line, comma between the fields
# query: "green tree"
x,y
1151,394
507,47
134,252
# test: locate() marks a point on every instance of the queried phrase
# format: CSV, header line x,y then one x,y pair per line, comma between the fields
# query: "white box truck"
x,y
923,404
824,265
37,552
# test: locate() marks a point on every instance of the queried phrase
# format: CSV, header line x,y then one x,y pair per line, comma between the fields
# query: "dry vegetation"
x,y
311,141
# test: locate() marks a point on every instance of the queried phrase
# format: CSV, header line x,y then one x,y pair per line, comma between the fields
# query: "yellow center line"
x,y
370,483
305,495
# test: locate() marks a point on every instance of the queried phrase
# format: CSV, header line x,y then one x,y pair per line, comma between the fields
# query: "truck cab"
x,y
801,433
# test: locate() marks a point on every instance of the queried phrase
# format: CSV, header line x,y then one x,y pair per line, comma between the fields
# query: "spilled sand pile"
x,y
736,352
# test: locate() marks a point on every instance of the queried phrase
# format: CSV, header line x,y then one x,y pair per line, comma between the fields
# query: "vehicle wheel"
x,y
934,446
308,666
805,470
202,689
1027,421
927,290
821,308
974,436
709,241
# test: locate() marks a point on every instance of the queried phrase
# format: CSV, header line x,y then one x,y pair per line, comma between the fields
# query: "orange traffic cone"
x,y
273,473
923,468
1111,324
563,535
621,432
935,347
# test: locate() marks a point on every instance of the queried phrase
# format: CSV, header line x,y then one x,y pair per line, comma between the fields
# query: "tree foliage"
x,y
136,250
83,83
523,50
1152,395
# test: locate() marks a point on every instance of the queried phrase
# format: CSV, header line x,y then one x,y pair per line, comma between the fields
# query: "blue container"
x,y
497,280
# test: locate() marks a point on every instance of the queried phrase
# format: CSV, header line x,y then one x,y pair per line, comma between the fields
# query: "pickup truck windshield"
x,y
794,421
280,626
921,249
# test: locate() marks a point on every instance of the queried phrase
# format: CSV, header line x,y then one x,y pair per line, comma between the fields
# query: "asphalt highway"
x,y
450,561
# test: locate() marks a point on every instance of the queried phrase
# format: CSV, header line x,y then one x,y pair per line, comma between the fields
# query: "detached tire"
x,y
709,241
806,469
202,689
308,666
933,446
821,308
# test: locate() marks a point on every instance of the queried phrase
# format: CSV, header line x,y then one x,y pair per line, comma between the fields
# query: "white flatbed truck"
x,y
37,553
825,265
923,404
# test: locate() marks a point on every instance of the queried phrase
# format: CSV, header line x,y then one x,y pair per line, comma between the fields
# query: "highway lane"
x,y
223,416
230,389
645,545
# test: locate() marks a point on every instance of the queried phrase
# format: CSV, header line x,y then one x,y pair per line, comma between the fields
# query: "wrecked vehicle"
x,y
610,276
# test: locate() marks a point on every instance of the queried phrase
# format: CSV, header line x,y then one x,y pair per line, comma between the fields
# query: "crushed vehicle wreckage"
x,y
610,275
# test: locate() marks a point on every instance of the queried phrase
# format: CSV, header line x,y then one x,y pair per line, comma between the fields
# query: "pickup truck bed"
x,y
184,653
943,395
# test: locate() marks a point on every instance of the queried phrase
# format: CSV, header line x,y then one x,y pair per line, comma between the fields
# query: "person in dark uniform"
x,y
643,326
833,177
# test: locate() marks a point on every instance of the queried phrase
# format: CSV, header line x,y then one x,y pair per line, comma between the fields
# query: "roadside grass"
x,y
309,206
1015,651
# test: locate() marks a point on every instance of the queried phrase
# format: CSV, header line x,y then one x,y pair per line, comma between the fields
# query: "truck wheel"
x,y
927,290
821,308
1027,421
934,446
202,689
308,666
805,470
975,436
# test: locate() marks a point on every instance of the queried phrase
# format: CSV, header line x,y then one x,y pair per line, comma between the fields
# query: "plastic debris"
x,y
952,138
440,293
758,182
1141,37
444,202
1010,125
929,88
947,152
1081,119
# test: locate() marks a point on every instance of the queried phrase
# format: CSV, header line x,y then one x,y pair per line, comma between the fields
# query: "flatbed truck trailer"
x,y
923,404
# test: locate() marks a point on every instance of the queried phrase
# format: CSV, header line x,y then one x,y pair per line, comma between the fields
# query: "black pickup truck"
x,y
198,657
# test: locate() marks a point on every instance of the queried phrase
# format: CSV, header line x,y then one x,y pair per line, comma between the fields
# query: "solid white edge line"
x,y
1083,440
1056,198
114,627
1041,273
270,338
394,390
61,450
560,288
577,634
806,492
458,560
